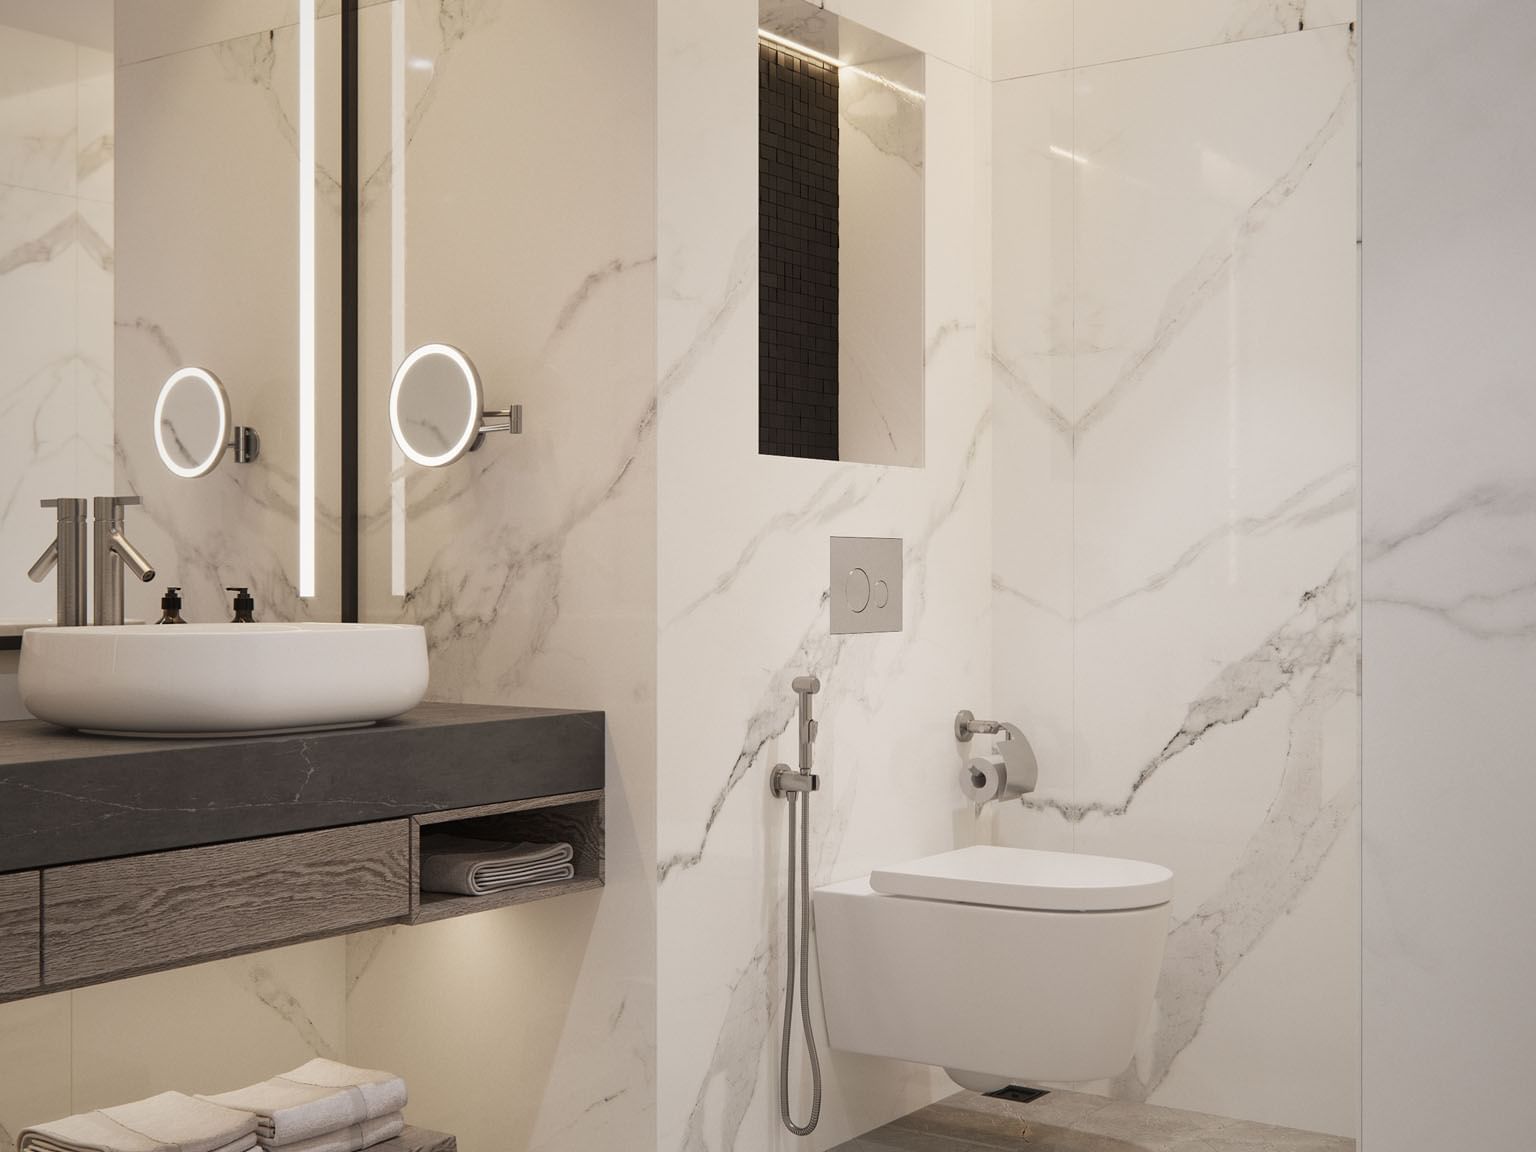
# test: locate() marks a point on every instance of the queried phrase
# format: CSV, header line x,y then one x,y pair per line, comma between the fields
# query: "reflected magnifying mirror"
x,y
437,407
194,427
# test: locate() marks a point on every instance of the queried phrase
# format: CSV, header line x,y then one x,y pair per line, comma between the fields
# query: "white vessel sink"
x,y
221,679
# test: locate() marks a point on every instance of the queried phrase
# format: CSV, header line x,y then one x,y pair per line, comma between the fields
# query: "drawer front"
x,y
20,940
140,913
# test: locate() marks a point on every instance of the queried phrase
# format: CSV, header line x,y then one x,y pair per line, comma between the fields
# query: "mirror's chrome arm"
x,y
246,443
502,420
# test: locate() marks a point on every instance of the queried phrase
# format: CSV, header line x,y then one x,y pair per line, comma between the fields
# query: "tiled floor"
x,y
1072,1122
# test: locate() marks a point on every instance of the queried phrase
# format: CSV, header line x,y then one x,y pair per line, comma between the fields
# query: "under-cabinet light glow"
x,y
807,50
796,46
306,298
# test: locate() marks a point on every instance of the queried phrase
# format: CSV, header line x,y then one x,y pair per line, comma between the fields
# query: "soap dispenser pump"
x,y
245,606
170,607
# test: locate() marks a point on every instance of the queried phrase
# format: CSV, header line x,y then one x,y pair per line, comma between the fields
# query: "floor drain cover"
x,y
1018,1094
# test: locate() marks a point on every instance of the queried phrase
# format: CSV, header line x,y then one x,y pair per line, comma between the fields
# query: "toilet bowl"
x,y
999,965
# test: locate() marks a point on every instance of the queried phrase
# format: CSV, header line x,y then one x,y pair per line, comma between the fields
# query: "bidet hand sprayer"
x,y
788,784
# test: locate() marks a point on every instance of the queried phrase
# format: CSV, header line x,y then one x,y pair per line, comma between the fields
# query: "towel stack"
x,y
479,867
169,1122
321,1107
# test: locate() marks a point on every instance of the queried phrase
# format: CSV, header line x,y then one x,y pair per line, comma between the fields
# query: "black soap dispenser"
x,y
245,606
170,607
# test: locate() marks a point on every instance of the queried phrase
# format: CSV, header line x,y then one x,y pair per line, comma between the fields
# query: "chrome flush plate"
x,y
865,584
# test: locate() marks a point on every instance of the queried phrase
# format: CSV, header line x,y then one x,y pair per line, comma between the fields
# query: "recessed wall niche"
x,y
840,242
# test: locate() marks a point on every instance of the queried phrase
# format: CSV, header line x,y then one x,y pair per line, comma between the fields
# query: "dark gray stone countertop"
x,y
67,797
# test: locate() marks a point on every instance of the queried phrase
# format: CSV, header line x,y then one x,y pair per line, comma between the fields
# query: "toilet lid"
x,y
1025,878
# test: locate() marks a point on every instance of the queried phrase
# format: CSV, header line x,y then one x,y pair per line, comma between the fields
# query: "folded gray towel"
x,y
169,1122
472,867
353,1139
317,1099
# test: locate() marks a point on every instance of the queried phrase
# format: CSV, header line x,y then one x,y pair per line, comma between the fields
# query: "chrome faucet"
x,y
113,553
67,554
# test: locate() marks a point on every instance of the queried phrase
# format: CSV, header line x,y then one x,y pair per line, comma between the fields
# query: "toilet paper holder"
x,y
1009,775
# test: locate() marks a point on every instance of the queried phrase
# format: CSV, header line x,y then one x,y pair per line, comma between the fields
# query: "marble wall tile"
x,y
208,1028
37,382
37,111
1030,37
1158,415
1449,535
56,288
1106,30
528,239
35,1059
742,598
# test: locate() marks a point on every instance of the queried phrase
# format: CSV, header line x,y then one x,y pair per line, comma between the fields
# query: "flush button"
x,y
857,589
864,584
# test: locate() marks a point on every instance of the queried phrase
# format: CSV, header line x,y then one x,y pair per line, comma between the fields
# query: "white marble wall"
x,y
1449,241
1175,510
56,257
208,1028
524,232
743,546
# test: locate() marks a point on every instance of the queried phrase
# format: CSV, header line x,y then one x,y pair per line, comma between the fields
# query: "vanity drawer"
x,y
140,913
20,923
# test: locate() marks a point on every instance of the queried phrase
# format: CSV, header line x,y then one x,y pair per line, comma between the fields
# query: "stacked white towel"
x,y
169,1122
322,1107
479,867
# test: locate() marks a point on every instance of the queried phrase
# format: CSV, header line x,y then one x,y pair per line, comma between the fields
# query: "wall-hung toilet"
x,y
1000,965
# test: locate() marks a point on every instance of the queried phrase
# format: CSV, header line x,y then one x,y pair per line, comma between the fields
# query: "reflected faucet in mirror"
x,y
437,407
66,554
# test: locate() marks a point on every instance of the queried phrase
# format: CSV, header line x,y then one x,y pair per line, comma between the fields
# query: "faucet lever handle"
x,y
45,563
126,501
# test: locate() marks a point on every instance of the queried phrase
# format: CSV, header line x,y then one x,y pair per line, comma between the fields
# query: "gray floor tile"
x,y
1076,1122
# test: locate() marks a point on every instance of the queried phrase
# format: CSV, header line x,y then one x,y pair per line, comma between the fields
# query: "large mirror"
x,y
170,198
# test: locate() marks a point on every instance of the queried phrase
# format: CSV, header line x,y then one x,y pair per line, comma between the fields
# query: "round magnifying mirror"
x,y
193,425
436,404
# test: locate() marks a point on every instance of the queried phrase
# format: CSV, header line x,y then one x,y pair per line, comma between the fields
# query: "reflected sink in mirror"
x,y
221,679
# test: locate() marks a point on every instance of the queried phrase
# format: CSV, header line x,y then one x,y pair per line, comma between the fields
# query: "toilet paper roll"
x,y
985,778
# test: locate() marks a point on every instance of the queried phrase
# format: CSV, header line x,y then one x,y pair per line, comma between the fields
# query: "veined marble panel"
x,y
1034,36
527,238
38,300
37,111
1191,350
1105,30
207,1028
1449,526
742,601
56,263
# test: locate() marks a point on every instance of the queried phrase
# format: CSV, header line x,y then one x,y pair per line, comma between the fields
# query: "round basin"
x,y
221,679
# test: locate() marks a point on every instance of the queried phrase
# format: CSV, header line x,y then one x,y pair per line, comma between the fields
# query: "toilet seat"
x,y
1024,878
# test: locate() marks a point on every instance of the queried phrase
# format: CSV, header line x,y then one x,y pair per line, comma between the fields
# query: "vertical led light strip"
x,y
306,298
396,287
